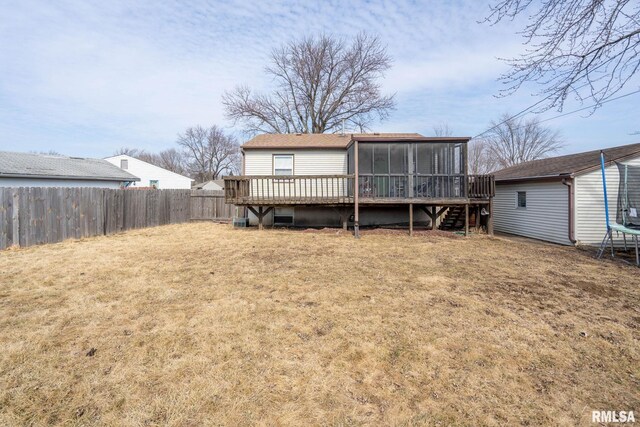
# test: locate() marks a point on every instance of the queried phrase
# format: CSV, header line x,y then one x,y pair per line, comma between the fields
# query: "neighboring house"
x,y
215,184
309,179
151,176
560,199
43,170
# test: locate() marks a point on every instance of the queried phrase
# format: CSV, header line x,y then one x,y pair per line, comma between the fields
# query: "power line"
x,y
558,116
537,103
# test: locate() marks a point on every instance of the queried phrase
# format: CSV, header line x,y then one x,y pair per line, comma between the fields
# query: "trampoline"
x,y
627,220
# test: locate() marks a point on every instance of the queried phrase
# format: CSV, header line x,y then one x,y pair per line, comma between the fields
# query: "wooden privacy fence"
x,y
37,215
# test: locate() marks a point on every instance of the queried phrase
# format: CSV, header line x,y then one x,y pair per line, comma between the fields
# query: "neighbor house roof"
x,y
563,166
29,165
200,186
328,140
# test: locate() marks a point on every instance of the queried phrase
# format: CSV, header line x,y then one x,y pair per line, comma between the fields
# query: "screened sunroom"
x,y
407,170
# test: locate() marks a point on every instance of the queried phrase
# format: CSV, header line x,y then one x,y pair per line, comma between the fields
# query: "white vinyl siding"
x,y
589,204
545,216
148,173
306,162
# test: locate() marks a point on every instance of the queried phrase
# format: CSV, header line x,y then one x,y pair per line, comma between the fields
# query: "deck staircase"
x,y
453,219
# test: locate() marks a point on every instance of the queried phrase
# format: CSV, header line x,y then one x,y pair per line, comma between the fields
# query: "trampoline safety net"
x,y
628,196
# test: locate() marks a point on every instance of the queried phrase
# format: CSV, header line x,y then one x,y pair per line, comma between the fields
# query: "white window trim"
x,y
525,200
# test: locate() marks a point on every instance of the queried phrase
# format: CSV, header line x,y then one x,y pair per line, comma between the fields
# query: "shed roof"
x,y
30,165
572,164
327,140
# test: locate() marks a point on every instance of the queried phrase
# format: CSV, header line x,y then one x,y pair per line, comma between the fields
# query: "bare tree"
x,y
320,82
479,156
585,49
513,141
442,129
173,160
209,153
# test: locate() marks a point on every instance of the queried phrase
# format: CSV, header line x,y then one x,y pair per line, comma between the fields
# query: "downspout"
x,y
570,188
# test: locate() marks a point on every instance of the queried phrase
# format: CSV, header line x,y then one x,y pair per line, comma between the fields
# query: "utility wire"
x,y
558,116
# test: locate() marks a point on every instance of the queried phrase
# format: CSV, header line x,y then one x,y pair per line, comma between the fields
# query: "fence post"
x,y
15,220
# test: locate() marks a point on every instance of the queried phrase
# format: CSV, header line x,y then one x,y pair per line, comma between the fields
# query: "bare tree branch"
x,y
319,83
580,49
442,129
209,153
480,159
516,141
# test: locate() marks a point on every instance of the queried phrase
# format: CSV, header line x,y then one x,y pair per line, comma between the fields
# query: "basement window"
x,y
522,199
283,216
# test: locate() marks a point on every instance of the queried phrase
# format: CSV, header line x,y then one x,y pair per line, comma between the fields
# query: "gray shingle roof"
x,y
565,165
29,165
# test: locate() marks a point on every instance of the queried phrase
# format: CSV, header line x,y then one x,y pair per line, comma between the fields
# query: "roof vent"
x,y
376,133
298,134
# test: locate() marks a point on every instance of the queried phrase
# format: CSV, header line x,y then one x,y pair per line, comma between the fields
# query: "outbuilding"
x,y
561,199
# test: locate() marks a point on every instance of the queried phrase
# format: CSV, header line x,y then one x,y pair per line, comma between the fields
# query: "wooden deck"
x,y
335,190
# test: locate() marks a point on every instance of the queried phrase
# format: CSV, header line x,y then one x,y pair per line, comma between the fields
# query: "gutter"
x,y
571,202
130,178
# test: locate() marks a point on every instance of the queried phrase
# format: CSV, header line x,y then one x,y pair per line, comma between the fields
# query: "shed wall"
x,y
544,218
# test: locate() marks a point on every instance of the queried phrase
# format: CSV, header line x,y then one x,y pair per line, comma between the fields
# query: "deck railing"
x,y
482,186
289,190
339,189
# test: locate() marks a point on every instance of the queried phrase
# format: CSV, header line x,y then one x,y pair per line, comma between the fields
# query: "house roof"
x,y
29,165
562,166
200,186
328,140
113,161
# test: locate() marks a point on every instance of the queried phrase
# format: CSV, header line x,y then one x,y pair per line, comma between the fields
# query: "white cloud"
x,y
86,78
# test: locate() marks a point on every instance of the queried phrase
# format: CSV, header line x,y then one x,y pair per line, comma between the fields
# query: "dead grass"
x,y
201,324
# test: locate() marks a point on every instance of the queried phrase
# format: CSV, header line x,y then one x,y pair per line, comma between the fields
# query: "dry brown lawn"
x,y
201,324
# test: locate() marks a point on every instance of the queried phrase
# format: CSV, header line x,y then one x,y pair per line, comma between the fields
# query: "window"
x,y
522,199
124,164
283,216
283,164
154,183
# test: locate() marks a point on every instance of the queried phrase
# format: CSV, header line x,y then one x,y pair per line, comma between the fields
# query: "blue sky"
x,y
85,78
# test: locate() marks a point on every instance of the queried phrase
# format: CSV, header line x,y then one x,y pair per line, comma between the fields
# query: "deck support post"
x,y
466,219
410,219
356,193
260,214
433,217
